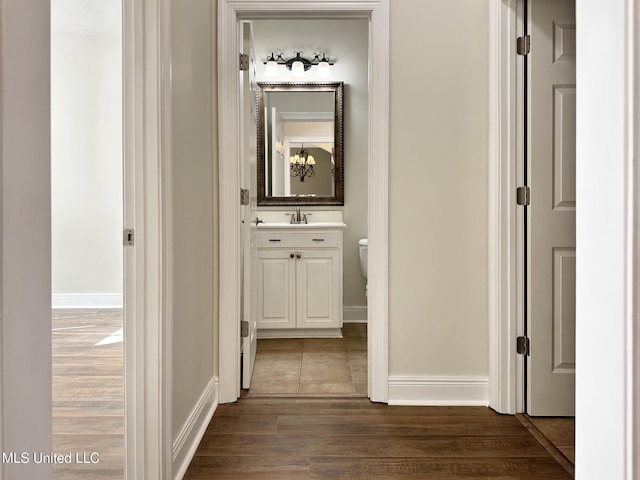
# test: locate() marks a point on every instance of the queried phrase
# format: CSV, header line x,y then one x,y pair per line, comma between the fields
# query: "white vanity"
x,y
300,276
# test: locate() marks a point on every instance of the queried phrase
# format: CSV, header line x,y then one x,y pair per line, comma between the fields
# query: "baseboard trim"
x,y
187,441
354,314
300,333
439,391
86,300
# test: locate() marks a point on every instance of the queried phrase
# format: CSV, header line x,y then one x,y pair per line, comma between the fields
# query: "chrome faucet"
x,y
298,217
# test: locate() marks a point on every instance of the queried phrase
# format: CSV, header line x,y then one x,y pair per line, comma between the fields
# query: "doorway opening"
x,y
548,203
303,359
87,250
549,237
377,204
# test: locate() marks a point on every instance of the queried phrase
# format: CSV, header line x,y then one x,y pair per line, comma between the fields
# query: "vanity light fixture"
x,y
301,164
298,65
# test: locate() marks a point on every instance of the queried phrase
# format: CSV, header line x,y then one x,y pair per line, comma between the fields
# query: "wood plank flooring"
x,y
286,438
88,392
351,438
556,434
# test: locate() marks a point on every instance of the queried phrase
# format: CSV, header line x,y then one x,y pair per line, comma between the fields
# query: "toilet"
x,y
363,246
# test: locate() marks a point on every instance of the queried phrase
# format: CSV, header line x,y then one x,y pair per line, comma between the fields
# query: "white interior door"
x,y
249,178
551,254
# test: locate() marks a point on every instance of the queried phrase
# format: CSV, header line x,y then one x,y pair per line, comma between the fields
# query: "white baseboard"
x,y
438,391
86,300
354,314
189,437
300,333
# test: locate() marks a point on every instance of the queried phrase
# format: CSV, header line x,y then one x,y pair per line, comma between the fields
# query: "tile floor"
x,y
312,366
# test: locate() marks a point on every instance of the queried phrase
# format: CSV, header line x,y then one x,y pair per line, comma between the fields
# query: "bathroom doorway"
x,y
375,16
310,364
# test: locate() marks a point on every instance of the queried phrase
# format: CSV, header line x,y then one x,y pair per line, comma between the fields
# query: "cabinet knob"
x,y
298,256
291,255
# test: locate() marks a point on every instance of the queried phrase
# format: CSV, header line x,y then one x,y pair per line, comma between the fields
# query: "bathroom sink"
x,y
302,225
282,219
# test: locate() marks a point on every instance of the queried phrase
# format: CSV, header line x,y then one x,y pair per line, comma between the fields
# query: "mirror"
x,y
300,144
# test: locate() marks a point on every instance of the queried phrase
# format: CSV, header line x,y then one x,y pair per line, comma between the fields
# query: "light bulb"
x,y
271,69
323,70
297,69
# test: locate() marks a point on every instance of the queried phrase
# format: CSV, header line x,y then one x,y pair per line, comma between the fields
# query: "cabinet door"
x,y
319,289
276,290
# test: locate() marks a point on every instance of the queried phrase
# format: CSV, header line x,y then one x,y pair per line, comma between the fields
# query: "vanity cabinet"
x,y
299,280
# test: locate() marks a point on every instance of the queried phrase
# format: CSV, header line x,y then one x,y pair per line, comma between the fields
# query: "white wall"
x,y
438,322
346,41
25,283
86,112
604,376
193,201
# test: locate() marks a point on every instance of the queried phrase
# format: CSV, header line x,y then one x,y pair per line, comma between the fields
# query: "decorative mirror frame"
x,y
338,89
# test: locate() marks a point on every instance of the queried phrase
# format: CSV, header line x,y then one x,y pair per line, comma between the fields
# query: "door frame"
x,y
505,255
229,13
148,264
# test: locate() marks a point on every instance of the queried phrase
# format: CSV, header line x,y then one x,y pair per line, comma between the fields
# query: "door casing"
x,y
229,13
506,258
148,264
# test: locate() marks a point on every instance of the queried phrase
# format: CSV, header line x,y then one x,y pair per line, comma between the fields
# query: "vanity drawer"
x,y
298,239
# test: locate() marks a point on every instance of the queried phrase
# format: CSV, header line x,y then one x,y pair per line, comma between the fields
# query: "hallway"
x,y
284,438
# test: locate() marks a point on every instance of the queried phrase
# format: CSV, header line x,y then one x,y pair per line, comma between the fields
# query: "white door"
x,y
551,253
249,179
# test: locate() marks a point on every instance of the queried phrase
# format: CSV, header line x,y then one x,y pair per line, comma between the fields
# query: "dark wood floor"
x,y
280,438
556,434
290,438
88,392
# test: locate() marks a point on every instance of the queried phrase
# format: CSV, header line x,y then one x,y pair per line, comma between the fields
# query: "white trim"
x,y
229,11
86,300
188,440
633,244
300,333
439,391
354,314
148,264
607,264
503,253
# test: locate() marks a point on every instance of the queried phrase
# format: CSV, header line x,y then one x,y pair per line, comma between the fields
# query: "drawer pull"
x,y
291,255
318,239
275,240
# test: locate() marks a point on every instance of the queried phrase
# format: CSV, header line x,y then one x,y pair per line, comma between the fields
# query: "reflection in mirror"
x,y
300,144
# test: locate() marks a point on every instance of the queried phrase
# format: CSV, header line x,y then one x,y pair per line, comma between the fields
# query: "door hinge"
x,y
523,45
128,237
523,196
244,328
244,196
244,62
523,346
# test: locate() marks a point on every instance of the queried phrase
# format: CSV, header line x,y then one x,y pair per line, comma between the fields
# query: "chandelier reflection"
x,y
301,164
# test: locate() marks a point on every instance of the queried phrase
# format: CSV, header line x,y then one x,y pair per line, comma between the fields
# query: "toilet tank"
x,y
363,246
